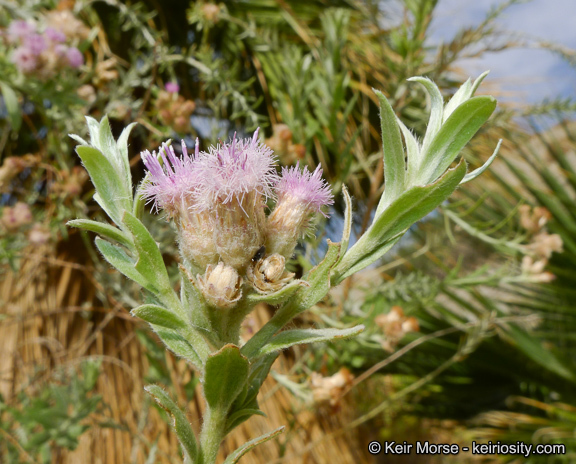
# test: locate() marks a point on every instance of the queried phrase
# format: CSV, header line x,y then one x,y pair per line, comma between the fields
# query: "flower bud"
x,y
269,275
221,285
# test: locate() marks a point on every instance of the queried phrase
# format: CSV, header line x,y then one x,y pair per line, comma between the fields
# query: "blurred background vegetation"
x,y
471,320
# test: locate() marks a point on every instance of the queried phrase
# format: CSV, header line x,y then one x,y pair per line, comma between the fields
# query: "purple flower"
x,y
301,194
172,87
305,187
35,43
54,35
74,57
233,170
24,59
18,30
173,180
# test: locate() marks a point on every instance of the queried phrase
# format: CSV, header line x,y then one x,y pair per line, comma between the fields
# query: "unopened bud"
x,y
221,285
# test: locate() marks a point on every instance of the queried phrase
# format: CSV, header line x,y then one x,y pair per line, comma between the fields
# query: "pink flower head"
x,y
74,57
172,87
54,35
24,59
35,43
233,170
20,29
305,187
170,182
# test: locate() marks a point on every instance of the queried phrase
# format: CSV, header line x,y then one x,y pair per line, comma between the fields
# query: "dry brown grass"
x,y
52,320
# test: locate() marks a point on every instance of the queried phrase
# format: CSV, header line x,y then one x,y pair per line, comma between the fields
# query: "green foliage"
x,y
34,425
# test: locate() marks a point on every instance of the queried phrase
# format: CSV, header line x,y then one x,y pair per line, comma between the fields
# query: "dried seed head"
x,y
269,274
221,285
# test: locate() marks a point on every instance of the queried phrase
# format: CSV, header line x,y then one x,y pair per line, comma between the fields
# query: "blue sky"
x,y
526,74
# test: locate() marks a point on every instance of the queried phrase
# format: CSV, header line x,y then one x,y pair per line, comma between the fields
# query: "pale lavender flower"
x,y
18,30
305,187
172,87
54,35
233,170
301,194
24,59
173,180
74,57
35,43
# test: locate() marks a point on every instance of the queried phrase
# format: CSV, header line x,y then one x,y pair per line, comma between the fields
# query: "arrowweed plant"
x,y
233,253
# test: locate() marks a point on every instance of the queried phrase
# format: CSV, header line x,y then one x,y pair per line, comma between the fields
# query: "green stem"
x,y
263,336
213,432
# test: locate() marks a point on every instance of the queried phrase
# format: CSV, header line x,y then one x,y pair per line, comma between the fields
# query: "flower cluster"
x,y
542,245
395,325
41,53
218,201
174,110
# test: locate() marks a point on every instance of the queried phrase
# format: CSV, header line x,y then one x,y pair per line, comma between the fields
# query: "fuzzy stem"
x,y
213,433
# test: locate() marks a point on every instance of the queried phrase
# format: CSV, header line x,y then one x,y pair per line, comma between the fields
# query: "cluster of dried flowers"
x,y
218,202
45,50
542,244
283,145
395,324
174,110
329,390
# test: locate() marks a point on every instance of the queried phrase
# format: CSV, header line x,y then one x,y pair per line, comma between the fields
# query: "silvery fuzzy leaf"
x,y
180,425
157,315
109,186
410,207
393,151
103,229
290,338
236,455
454,134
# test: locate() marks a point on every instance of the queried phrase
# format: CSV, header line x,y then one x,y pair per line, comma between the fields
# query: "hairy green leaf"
x,y
150,263
118,258
225,376
456,132
158,315
290,338
108,183
181,425
394,164
106,230
236,455
412,206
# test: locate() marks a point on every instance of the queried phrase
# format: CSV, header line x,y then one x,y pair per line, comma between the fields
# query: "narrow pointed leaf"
x,y
108,183
414,155
150,263
477,82
436,110
472,175
290,338
412,206
456,132
279,296
106,230
179,346
158,315
118,258
347,229
181,425
461,95
236,455
394,164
